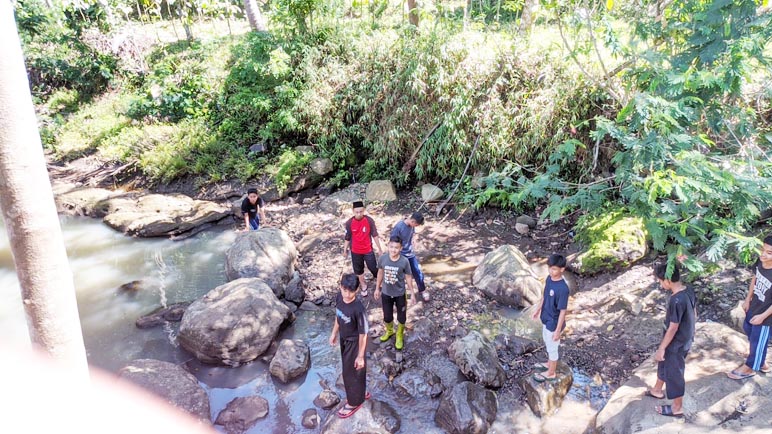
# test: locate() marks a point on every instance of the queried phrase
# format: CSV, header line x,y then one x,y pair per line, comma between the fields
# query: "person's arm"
x,y
334,334
669,335
760,318
261,210
378,283
374,236
359,363
410,284
747,301
246,221
561,321
346,239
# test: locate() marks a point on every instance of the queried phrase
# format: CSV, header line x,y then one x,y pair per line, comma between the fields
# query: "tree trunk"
x,y
29,212
255,17
412,8
527,16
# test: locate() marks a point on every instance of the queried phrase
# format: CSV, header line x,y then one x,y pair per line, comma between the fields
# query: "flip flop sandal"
x,y
734,375
667,410
540,378
351,410
765,369
367,396
649,394
540,367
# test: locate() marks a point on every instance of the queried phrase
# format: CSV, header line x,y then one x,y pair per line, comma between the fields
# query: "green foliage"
x,y
613,238
289,164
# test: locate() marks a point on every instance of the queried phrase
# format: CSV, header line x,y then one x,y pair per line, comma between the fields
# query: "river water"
x,y
175,271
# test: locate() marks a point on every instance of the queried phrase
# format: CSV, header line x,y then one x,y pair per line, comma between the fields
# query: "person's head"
x,y
766,250
349,283
416,219
359,210
660,271
252,195
395,245
557,265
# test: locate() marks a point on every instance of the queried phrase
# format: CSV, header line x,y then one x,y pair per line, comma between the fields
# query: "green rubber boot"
x,y
388,333
399,342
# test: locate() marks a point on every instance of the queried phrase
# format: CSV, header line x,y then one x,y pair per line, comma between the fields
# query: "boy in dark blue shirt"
x,y
552,312
676,342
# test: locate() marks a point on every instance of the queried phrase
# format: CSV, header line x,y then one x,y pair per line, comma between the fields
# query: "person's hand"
x,y
535,314
333,339
377,293
556,336
659,356
345,254
359,363
746,305
757,320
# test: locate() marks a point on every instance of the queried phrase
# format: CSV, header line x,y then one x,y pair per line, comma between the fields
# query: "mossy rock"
x,y
613,240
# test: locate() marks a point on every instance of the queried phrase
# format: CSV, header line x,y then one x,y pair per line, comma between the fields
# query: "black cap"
x,y
358,204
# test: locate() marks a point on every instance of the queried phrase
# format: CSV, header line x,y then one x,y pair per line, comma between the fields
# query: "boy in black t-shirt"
x,y
552,310
676,342
252,206
351,326
758,317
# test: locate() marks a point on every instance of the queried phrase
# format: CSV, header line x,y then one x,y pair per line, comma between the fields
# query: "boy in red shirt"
x,y
360,233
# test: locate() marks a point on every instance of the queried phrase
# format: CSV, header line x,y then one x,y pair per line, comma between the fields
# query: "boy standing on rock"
x,y
758,317
252,206
351,327
405,231
676,342
552,312
393,277
360,233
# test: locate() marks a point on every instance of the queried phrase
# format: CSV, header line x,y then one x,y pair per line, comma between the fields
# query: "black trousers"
x,y
358,261
388,302
671,371
354,380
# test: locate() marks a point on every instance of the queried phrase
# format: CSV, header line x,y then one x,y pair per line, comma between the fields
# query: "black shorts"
x,y
671,371
358,261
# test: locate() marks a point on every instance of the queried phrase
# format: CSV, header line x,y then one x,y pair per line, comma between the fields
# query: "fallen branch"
x,y
411,161
458,184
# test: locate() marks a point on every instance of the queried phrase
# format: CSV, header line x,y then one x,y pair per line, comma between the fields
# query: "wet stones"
x,y
419,383
476,357
162,315
546,397
327,399
242,413
310,418
292,359
375,417
268,254
467,408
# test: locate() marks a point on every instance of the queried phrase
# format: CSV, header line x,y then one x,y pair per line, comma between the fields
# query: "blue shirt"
x,y
405,233
555,300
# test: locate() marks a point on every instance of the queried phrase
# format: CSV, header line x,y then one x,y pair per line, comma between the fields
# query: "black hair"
x,y
556,260
418,217
768,240
661,272
349,282
395,239
251,190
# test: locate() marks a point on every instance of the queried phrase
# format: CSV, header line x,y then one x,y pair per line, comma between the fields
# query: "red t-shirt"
x,y
358,232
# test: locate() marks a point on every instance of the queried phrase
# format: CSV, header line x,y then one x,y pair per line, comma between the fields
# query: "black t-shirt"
x,y
248,207
680,310
762,297
352,320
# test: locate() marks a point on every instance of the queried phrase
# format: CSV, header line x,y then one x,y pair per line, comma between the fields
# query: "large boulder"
x,y
467,409
242,413
382,190
321,166
544,398
171,382
292,359
737,316
375,417
234,323
431,193
613,240
159,215
303,181
340,201
505,275
268,254
82,201
713,402
477,359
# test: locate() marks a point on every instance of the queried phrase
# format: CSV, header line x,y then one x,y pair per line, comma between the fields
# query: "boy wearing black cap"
x,y
405,231
253,206
360,233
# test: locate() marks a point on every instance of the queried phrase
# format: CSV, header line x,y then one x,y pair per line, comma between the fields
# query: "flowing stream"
x,y
166,272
